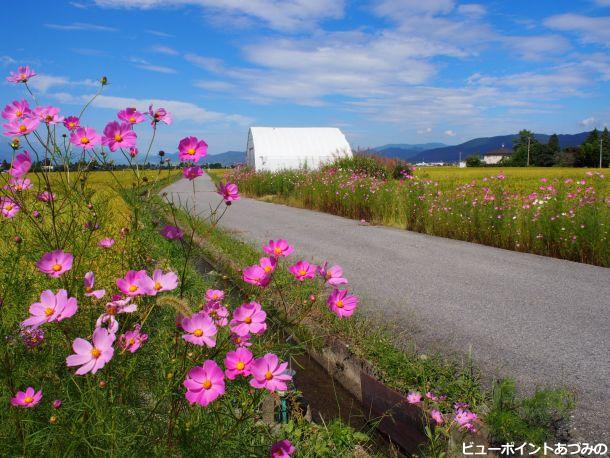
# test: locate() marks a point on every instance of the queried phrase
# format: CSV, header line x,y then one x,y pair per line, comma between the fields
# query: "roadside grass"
x,y
124,409
559,212
398,366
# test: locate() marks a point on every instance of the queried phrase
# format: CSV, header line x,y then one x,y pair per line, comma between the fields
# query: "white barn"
x,y
278,148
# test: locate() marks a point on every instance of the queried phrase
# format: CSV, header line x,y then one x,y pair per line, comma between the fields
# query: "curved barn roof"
x,y
299,141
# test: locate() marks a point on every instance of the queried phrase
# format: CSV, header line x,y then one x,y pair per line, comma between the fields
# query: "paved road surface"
x,y
540,320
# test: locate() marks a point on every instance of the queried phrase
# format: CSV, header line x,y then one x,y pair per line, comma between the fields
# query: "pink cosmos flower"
x,y
71,122
159,115
172,232
19,184
190,173
89,283
241,341
8,207
341,303
268,373
282,449
52,307
214,295
431,396
437,416
163,282
279,248
238,362
28,398
204,384
218,312
89,357
31,337
48,114
136,283
192,149
21,165
332,275
130,116
249,319
22,75
465,418
55,263
228,191
414,397
21,126
200,330
17,109
302,270
256,275
46,196
106,242
133,151
85,137
268,264
132,340
118,136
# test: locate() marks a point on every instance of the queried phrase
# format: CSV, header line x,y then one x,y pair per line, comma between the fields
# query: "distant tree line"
x,y
551,154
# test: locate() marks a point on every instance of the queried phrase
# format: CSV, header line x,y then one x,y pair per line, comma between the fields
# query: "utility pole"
x,y
601,141
528,150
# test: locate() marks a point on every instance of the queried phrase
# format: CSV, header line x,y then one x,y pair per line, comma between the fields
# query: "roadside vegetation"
x,y
559,212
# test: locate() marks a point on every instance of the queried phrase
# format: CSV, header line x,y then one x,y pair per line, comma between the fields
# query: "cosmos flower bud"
x,y
15,143
104,81
53,419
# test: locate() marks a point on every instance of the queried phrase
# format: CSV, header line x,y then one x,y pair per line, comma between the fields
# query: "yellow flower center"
x,y
267,269
340,304
158,286
132,120
23,76
215,297
240,365
19,114
197,332
84,140
111,310
277,250
302,272
238,340
95,352
118,137
72,124
48,118
207,384
133,288
56,267
28,400
48,311
132,341
268,375
248,320
22,128
8,207
191,151
88,289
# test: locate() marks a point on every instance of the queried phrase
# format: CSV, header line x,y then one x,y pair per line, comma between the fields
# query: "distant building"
x,y
429,164
462,164
279,148
493,157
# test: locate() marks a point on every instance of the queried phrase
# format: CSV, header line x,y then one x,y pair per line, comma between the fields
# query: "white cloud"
x,y
278,14
207,63
602,2
159,33
221,86
180,111
588,122
427,130
5,61
450,133
472,9
81,26
42,83
165,50
590,29
78,5
145,65
393,8
538,47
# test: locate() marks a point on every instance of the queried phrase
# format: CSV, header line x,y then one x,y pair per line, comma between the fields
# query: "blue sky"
x,y
402,71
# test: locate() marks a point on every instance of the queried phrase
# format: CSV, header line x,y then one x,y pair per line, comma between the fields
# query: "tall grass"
x,y
559,212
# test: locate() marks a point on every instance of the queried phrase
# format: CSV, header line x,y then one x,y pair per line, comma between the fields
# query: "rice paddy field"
x,y
559,212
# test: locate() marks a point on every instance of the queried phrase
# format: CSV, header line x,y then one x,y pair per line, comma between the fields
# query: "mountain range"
x,y
419,152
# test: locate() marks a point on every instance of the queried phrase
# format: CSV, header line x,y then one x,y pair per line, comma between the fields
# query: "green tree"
x,y
589,151
605,148
474,161
520,148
